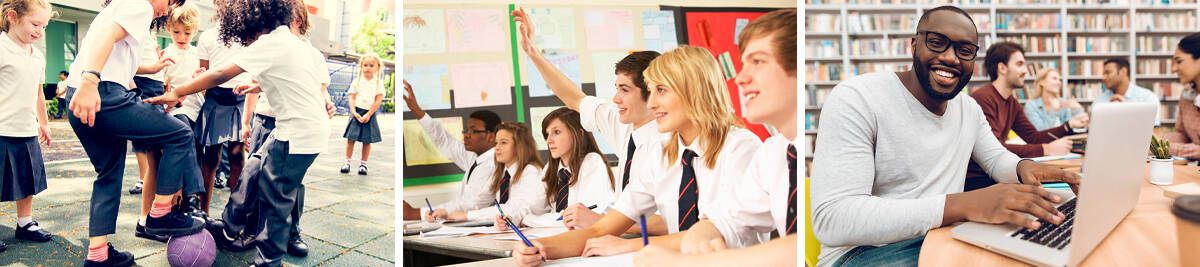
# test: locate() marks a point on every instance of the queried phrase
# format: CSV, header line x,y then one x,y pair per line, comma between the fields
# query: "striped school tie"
x,y
628,161
564,178
791,211
469,172
689,193
504,183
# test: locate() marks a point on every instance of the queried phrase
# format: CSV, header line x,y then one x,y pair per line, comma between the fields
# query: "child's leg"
x,y
25,207
107,155
283,173
366,152
236,162
212,157
148,183
142,168
349,150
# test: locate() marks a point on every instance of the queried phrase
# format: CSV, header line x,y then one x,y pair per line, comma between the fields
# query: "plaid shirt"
x,y
1187,130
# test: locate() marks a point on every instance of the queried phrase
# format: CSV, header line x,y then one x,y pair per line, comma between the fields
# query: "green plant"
x,y
388,107
376,35
51,108
1160,148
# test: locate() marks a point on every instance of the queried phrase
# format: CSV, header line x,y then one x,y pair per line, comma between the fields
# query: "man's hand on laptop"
x,y
1034,173
1007,203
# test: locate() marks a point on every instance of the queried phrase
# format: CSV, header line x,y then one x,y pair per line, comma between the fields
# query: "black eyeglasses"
x,y
938,43
473,131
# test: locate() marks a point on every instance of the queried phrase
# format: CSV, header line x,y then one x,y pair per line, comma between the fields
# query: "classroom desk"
x,y
1146,237
464,249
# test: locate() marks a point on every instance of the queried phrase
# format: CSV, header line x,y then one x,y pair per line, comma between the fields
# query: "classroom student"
x,y
576,174
1186,65
23,121
705,152
292,83
475,154
366,94
1005,65
100,81
515,185
181,23
625,120
220,114
1119,88
892,150
1046,107
149,82
765,199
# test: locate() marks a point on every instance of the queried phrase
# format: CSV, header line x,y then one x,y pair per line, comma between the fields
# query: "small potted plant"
x,y
1161,170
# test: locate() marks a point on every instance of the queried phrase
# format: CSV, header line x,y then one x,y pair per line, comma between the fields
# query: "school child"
x,y
766,198
625,121
575,174
102,105
23,120
220,115
292,84
366,93
149,83
515,184
706,150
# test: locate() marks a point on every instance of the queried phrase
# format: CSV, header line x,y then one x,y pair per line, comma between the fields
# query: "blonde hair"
x,y
370,56
302,16
187,15
1037,90
693,74
524,148
21,8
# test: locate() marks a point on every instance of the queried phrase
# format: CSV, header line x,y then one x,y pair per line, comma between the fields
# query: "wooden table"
x,y
441,251
1146,237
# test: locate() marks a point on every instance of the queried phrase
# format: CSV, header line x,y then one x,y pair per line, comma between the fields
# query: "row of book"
x,y
823,72
1154,66
1085,67
822,22
1158,44
1035,66
816,96
1109,21
822,48
1028,21
876,22
1166,89
1083,90
1097,44
1166,21
1037,43
881,47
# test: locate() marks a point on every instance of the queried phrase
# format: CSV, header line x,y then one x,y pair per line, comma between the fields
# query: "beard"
x,y
927,87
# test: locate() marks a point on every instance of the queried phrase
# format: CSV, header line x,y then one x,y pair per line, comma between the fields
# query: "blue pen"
x,y
514,228
645,240
430,207
589,207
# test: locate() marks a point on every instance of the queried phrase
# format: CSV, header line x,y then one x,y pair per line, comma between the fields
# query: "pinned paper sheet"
x,y
737,28
419,149
658,30
603,67
475,30
555,27
727,65
431,85
609,29
481,84
568,64
426,29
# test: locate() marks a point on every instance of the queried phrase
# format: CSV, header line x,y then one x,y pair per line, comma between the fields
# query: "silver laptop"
x,y
1118,141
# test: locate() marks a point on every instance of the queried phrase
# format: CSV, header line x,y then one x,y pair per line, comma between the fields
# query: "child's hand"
x,y
433,216
577,216
657,256
246,136
168,98
499,223
529,256
163,63
243,89
86,103
44,134
330,108
610,245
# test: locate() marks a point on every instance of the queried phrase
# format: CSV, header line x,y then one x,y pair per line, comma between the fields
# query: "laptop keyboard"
x,y
1051,235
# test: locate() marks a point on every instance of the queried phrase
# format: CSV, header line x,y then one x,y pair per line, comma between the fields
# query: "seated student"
x,y
576,174
474,154
706,151
1186,64
1005,64
625,120
1118,87
892,149
515,185
766,198
1046,107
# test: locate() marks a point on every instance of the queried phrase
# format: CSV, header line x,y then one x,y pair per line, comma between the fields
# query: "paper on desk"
x,y
1058,157
543,220
450,231
615,260
534,233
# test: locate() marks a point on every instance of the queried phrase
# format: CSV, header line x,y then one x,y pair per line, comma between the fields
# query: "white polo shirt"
x,y
759,200
209,47
365,91
657,188
132,15
599,115
291,82
523,195
263,106
591,188
474,191
21,75
186,63
150,56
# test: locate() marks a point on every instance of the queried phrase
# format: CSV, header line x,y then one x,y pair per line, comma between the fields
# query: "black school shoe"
x,y
140,231
219,183
235,244
3,246
297,247
115,259
346,168
174,223
40,235
136,189
362,169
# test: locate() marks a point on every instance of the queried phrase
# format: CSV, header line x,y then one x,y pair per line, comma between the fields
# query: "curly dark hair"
x,y
242,21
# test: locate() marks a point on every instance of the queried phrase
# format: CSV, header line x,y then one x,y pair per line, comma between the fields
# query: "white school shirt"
x,y
209,47
291,82
365,91
759,201
474,191
186,63
132,15
150,56
657,188
21,74
592,188
263,107
523,195
599,115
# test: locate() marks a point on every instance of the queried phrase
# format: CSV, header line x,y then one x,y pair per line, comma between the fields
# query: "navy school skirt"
x,y
363,132
22,172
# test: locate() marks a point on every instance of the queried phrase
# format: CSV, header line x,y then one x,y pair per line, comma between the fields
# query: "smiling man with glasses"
x,y
893,148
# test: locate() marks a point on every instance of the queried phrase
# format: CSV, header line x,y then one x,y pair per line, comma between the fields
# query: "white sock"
x,y
362,163
348,160
23,221
142,221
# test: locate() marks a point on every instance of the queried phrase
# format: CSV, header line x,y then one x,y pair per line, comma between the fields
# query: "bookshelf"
x,y
845,38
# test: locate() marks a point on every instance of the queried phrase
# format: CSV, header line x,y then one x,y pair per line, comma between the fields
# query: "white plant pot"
x,y
1162,171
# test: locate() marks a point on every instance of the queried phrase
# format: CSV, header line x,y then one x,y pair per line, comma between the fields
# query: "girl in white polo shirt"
x,y
366,93
23,118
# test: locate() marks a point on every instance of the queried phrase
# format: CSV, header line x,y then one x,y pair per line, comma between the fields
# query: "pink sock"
x,y
160,209
98,254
